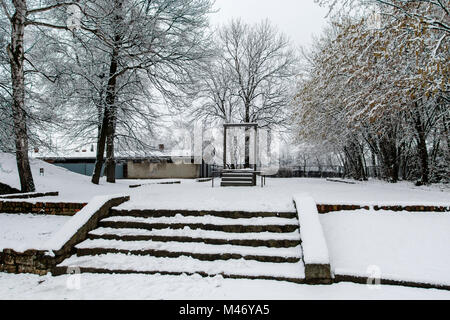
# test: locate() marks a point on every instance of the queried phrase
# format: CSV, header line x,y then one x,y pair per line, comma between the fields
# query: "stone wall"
x,y
318,274
51,208
325,208
31,261
29,195
81,234
40,262
162,170
365,280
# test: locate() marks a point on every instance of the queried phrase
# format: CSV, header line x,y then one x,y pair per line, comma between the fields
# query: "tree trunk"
x,y
100,148
389,160
110,159
110,166
100,113
355,165
111,105
374,164
106,137
247,136
422,149
16,57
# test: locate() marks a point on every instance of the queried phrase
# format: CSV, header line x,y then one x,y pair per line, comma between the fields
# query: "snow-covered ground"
x,y
400,246
72,187
404,246
25,231
374,192
275,196
101,286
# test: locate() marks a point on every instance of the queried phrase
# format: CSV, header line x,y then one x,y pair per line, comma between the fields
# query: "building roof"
x,y
90,153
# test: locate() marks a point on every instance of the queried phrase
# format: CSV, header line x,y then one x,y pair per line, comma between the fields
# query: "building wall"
x,y
162,170
88,168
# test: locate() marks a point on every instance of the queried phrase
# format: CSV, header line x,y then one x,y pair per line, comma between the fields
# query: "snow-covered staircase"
x,y
235,245
238,178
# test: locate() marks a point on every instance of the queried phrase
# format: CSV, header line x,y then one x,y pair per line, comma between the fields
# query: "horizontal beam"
x,y
247,124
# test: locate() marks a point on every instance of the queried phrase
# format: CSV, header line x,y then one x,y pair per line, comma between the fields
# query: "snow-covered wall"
x,y
84,221
315,250
45,257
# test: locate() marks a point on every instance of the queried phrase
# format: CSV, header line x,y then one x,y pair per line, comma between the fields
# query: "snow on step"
x,y
180,219
189,247
197,233
238,267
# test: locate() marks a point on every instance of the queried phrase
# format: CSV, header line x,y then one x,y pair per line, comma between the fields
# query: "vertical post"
x,y
256,146
224,146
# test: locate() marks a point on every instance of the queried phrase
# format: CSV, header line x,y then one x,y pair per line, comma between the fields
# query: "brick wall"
x,y
325,208
29,195
51,208
37,262
31,261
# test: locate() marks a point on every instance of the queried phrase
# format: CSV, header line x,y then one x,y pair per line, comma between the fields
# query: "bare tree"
x,y
262,62
20,16
159,43
256,65
217,98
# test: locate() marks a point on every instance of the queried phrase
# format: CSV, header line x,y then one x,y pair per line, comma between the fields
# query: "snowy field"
x,y
275,196
402,246
25,231
98,286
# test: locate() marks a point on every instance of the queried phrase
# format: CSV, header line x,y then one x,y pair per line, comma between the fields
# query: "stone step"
x,y
233,268
224,228
266,224
176,254
266,239
250,242
156,213
200,251
237,174
243,179
236,184
207,219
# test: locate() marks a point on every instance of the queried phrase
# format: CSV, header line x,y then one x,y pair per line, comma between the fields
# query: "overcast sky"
x,y
299,19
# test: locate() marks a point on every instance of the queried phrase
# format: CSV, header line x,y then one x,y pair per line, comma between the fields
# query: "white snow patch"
x,y
276,196
403,246
141,286
22,232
